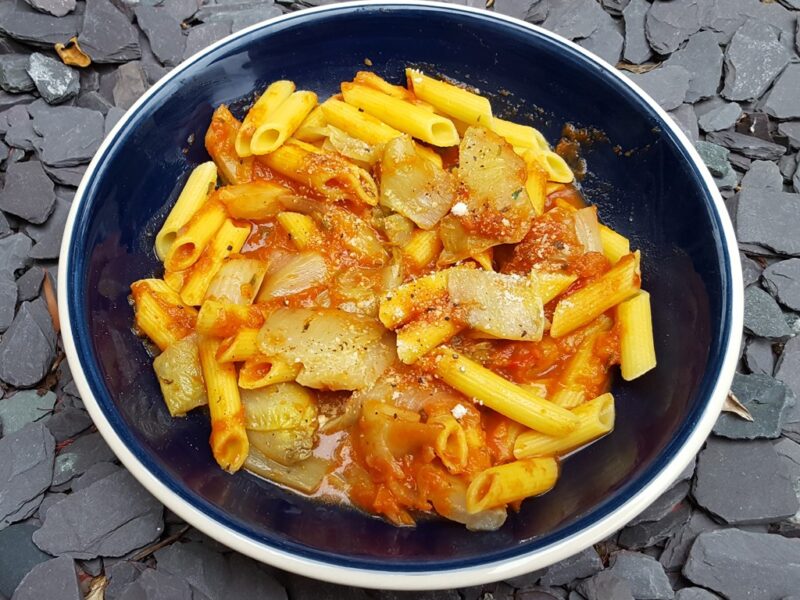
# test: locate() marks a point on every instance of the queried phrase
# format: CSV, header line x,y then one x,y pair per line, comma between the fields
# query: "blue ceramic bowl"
x,y
656,191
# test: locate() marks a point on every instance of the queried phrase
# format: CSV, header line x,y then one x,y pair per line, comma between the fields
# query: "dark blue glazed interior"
x,y
652,194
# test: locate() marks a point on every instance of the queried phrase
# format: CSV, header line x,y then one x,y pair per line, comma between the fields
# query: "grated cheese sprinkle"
x,y
459,209
458,411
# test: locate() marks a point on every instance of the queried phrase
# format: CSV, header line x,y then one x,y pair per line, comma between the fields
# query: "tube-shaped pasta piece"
x,y
223,319
557,168
408,299
550,285
588,303
571,390
254,201
193,237
535,184
637,349
241,346
451,444
313,128
615,245
596,419
275,95
228,437
377,82
497,486
229,239
220,142
237,281
160,313
448,494
477,382
260,371
423,248
450,100
429,154
200,184
327,174
419,337
403,116
356,123
520,136
282,122
301,228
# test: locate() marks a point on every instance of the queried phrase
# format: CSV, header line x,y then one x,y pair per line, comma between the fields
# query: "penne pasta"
x,y
377,82
275,95
259,371
243,345
535,185
160,313
281,123
403,116
220,142
571,392
501,395
637,348
357,123
403,302
511,482
228,440
450,100
223,319
419,337
201,182
313,128
193,237
551,285
450,444
615,246
523,137
256,200
596,420
557,168
301,228
423,247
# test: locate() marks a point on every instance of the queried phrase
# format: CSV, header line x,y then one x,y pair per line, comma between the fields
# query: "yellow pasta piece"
x,y
484,259
553,187
535,183
408,299
275,94
423,248
550,285
313,128
200,184
377,82
356,123
228,440
571,392
588,303
637,349
403,116
228,240
615,246
255,201
223,319
260,371
301,228
451,443
557,168
193,237
175,279
328,174
159,312
282,122
239,347
450,100
417,338
596,419
520,136
428,153
511,482
500,394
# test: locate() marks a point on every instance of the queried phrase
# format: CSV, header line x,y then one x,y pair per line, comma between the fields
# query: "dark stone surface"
x,y
767,219
14,76
574,20
107,35
667,85
14,254
605,585
25,407
47,237
204,35
676,550
57,8
18,555
30,283
782,279
28,192
606,41
163,30
649,533
26,24
790,130
762,315
70,176
715,157
702,57
760,357
55,579
70,135
750,146
782,101
767,401
68,422
130,84
637,49
28,347
644,575
764,175
753,60
584,564
670,23
722,117
686,119
26,470
79,456
55,81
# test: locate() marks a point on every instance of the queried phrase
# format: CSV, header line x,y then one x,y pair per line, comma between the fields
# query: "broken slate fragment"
x,y
28,347
68,422
666,85
759,357
163,31
204,35
111,517
574,20
702,57
203,568
783,101
637,50
129,85
720,118
253,580
762,315
120,575
741,565
665,503
23,408
605,41
644,574
677,547
94,473
605,585
30,283
28,193
54,80
753,59
782,279
14,76
686,119
107,35
791,130
649,533
70,176
768,219
57,8
768,402
764,175
55,579
14,254
76,458
26,469
669,24
743,482
70,135
748,145
48,236
8,302
156,585
578,566
23,23
695,593
715,157
18,555
112,118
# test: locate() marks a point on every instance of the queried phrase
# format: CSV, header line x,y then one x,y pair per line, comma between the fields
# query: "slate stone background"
x,y
73,522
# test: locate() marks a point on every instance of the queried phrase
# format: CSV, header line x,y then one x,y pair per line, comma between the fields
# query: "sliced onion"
x,y
587,229
297,274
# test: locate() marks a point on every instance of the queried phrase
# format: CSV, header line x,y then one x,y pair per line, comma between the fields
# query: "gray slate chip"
x,y
76,458
782,279
55,579
68,422
94,473
720,118
637,49
762,315
791,129
574,20
253,580
614,7
182,10
743,482
14,76
70,135
48,236
789,452
24,23
28,193
748,145
8,302
669,24
107,35
644,574
111,517
702,57
667,85
204,35
605,585
742,565
763,174
788,371
606,41
578,566
695,593
204,569
57,8
156,585
783,100
768,219
666,502
54,80
121,574
112,118
715,158
753,60
93,100
28,347
239,14
23,408
18,555
649,533
26,469
163,31
8,100
686,119
676,550
14,254
129,85
70,176
759,357
768,402
30,283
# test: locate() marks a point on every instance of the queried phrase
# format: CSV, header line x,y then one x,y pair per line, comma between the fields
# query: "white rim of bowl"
x,y
416,580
